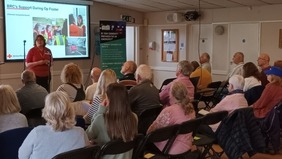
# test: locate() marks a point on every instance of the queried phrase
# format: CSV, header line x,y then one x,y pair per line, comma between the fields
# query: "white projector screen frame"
x,y
26,19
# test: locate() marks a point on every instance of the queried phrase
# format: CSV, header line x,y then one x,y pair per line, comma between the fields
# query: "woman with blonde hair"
x,y
71,76
114,120
59,134
182,110
107,77
10,118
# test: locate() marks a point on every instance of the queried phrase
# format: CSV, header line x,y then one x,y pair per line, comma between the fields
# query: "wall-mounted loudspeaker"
x,y
219,30
191,15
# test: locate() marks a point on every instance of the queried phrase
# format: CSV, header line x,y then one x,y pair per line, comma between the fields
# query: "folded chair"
x,y
88,152
207,141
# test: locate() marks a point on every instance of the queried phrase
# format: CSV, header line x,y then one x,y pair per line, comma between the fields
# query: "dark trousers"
x,y
44,82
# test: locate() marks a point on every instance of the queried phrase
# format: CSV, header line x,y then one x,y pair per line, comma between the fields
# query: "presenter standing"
x,y
39,59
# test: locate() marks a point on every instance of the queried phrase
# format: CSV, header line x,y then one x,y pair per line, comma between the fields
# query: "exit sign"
x,y
127,18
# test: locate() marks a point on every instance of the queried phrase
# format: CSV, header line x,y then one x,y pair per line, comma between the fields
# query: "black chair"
x,y
88,152
11,140
207,141
146,118
80,121
220,93
166,82
116,147
195,81
208,95
253,94
34,117
189,126
162,134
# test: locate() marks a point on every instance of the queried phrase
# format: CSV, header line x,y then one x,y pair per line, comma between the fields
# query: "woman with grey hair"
x,y
59,134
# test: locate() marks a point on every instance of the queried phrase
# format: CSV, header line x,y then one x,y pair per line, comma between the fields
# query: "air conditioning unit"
x,y
174,17
191,16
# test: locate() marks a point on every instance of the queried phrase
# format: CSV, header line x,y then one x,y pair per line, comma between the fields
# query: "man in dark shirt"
x,y
31,95
144,95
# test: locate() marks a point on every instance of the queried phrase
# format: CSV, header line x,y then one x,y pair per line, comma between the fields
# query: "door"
x,y
244,38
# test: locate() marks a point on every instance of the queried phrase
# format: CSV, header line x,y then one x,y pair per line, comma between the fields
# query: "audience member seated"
x,y
271,95
71,76
90,90
10,118
31,95
238,60
128,70
144,95
234,100
204,75
184,69
181,110
59,134
107,77
263,63
114,120
205,61
251,75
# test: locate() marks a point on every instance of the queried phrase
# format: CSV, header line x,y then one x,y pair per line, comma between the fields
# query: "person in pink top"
x,y
234,100
181,110
184,69
271,95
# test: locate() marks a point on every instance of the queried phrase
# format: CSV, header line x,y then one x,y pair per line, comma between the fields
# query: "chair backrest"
x,y
88,152
195,81
162,134
80,121
34,117
128,83
11,140
166,82
213,118
118,146
146,118
186,127
253,94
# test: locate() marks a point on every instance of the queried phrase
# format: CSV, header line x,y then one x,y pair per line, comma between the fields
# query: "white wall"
x,y
269,18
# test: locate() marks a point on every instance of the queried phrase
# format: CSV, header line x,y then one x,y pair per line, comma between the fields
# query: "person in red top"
x,y
39,59
271,95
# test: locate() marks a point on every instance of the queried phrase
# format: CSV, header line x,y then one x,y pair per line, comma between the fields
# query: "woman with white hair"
x,y
59,134
235,98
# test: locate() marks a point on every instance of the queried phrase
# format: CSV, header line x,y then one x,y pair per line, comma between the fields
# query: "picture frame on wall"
x,y
170,45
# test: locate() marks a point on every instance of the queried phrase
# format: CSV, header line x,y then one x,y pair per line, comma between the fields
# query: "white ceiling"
x,y
174,5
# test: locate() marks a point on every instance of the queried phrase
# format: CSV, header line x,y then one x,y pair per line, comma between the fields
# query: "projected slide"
x,y
64,27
